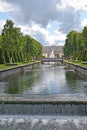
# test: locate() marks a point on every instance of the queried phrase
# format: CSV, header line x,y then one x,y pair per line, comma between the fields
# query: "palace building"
x,y
53,51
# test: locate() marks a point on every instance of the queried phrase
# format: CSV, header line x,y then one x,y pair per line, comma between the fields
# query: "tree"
x,y
84,33
10,36
16,46
76,45
70,44
2,60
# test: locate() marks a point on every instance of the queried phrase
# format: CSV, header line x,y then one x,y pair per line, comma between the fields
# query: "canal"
x,y
43,80
48,97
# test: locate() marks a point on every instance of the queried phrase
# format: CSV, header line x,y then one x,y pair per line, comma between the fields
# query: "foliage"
x,y
14,45
76,45
2,60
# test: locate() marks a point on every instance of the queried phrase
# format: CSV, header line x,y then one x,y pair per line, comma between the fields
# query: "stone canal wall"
x,y
19,69
82,71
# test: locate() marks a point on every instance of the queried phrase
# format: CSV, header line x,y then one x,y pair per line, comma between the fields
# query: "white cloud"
x,y
36,30
77,4
6,7
61,6
84,23
57,38
43,35
36,17
49,26
60,35
2,22
42,11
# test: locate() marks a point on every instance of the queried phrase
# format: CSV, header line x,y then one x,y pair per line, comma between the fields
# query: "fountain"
x,y
52,54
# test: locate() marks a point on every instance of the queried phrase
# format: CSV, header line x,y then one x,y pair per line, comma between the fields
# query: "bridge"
x,y
52,60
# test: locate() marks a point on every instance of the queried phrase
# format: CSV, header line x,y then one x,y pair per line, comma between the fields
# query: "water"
x,y
46,79
44,82
44,109
39,123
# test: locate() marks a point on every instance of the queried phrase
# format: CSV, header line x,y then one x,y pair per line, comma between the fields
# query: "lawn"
x,y
3,66
77,63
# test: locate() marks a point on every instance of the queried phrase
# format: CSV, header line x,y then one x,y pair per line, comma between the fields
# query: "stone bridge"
x,y
52,60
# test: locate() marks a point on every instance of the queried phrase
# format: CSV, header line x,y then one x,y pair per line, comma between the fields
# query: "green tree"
x,y
2,59
84,33
70,44
15,45
76,45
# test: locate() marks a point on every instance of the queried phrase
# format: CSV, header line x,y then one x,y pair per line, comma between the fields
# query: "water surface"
x,y
45,79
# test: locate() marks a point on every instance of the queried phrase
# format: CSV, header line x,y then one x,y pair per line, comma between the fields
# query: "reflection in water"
x,y
75,83
46,79
22,83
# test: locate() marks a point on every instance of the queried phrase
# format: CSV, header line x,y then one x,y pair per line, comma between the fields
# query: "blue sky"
x,y
4,16
48,21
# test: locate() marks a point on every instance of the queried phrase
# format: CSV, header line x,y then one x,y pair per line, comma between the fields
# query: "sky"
x,y
48,21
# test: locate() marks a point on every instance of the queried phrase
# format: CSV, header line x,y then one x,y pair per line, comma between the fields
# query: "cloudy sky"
x,y
48,21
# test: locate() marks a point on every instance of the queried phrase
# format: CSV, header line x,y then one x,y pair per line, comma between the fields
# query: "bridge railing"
x,y
52,59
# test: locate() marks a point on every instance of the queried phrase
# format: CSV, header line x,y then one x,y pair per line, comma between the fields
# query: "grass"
x,y
76,63
3,66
